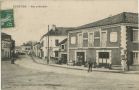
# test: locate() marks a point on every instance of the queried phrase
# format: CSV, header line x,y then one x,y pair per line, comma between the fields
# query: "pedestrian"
x,y
90,64
123,63
12,57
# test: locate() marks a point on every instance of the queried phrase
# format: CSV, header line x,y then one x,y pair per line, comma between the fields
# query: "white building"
x,y
37,50
26,48
55,35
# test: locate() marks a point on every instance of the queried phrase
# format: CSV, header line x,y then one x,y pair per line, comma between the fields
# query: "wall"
x,y
6,53
113,29
52,46
91,51
131,46
5,49
108,43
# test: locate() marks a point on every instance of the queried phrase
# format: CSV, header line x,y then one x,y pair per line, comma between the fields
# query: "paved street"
x,y
27,75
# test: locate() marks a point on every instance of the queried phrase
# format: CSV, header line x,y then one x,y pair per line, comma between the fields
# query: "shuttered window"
x,y
135,57
91,39
56,42
85,39
135,35
80,39
96,38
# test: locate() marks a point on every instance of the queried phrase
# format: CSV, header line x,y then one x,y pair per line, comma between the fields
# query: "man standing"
x,y
123,63
12,57
90,63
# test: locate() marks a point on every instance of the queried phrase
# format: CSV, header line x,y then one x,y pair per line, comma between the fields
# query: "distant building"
x,y
56,35
18,49
7,45
26,48
106,40
36,50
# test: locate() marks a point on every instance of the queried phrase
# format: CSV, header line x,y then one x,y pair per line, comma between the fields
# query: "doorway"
x,y
103,58
80,57
64,58
135,58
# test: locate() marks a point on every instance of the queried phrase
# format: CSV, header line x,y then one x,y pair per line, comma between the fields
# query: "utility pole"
x,y
48,58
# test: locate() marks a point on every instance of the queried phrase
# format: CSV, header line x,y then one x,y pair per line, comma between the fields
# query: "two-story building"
x,y
7,45
106,40
53,37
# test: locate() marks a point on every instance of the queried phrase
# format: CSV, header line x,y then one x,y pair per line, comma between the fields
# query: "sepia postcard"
x,y
69,44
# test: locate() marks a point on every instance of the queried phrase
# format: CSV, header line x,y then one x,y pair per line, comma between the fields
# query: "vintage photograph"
x,y
69,44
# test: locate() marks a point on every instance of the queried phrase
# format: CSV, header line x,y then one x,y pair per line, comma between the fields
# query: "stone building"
x,y
106,40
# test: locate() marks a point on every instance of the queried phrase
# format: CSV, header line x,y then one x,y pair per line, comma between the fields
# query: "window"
x,y
135,57
56,42
113,37
80,40
91,39
56,53
62,46
135,35
85,39
73,40
103,54
103,38
96,38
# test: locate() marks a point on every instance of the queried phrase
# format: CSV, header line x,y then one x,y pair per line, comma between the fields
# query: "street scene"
x,y
49,45
32,76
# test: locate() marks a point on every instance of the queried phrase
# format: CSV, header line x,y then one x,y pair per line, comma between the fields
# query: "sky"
x,y
32,23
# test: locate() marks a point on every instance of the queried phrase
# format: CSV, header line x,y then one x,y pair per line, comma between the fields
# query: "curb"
x,y
74,68
116,71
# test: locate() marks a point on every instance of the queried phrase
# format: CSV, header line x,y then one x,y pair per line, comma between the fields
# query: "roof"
x,y
5,36
3,33
36,43
63,41
59,31
125,17
26,44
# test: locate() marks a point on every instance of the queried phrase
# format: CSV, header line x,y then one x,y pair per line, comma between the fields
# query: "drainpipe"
x,y
48,47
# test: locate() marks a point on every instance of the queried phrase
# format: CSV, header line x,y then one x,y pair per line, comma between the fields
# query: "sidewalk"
x,y
117,70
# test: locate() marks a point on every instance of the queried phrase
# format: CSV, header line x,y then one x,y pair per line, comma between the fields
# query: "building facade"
x,y
7,45
50,42
36,50
105,41
26,49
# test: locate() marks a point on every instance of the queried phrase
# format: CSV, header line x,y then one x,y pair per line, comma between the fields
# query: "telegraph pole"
x,y
48,58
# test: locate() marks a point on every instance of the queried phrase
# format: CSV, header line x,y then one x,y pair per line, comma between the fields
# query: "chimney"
x,y
53,27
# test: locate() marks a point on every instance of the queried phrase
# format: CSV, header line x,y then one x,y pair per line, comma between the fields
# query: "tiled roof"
x,y
63,41
5,36
125,17
59,31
